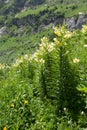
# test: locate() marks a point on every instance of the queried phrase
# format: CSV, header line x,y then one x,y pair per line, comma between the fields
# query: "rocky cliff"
x,y
76,22
72,23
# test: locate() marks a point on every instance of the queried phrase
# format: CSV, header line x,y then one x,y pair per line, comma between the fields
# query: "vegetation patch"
x,y
47,89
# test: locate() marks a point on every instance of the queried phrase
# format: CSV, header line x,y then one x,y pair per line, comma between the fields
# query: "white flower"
x,y
26,57
57,31
57,42
64,109
68,35
80,13
84,29
85,45
41,61
2,66
44,40
18,62
50,47
36,59
82,112
75,60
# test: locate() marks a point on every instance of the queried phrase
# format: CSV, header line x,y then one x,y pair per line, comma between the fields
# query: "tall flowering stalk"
x,y
49,70
68,97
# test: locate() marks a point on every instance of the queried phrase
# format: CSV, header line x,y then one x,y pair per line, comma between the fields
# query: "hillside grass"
x,y
69,10
30,11
13,47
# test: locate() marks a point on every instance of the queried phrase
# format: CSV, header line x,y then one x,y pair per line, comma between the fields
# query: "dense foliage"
x,y
48,89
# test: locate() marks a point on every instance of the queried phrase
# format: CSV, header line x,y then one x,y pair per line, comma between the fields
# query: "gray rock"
x,y
3,31
71,22
59,20
76,22
7,1
82,19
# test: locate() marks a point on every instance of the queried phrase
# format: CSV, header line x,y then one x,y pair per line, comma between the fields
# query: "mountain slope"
x,y
23,23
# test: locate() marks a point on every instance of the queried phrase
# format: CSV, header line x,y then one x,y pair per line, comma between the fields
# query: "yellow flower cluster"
x,y
18,62
35,55
5,128
59,31
44,40
50,47
57,42
42,61
62,31
68,35
84,28
25,102
75,60
12,105
46,45
2,66
26,57
21,60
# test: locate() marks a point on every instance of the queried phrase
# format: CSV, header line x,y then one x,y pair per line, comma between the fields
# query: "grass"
x,y
68,10
13,47
30,12
76,11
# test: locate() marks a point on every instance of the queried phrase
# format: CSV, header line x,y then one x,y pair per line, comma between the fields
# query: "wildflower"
x,y
57,31
44,40
2,66
76,60
36,59
42,47
5,128
35,55
57,42
25,102
12,105
82,112
65,109
68,35
84,29
41,61
26,57
80,13
85,45
44,44
50,47
18,62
